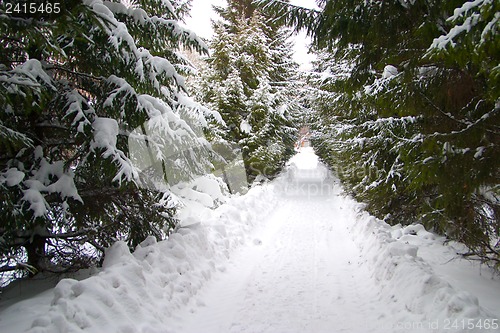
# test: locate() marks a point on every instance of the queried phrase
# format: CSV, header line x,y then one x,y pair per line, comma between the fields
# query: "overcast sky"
x,y
202,12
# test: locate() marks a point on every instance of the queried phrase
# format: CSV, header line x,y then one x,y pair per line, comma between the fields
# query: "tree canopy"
x,y
97,121
407,98
74,90
249,79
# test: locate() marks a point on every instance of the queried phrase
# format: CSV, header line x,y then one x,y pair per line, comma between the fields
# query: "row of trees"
x,y
407,101
96,121
405,94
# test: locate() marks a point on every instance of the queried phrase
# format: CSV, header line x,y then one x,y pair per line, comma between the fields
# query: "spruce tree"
x,y
247,80
74,89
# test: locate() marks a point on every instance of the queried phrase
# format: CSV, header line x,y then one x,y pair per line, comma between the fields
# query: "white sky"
x,y
202,12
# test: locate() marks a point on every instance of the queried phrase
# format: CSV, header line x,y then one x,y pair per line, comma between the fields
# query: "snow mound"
x,y
139,291
392,254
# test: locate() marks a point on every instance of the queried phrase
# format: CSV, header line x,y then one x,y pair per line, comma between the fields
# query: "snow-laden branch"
x,y
79,108
140,17
9,134
147,66
470,125
471,15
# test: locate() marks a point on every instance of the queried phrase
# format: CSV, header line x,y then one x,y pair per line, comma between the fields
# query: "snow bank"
x,y
197,198
139,291
403,276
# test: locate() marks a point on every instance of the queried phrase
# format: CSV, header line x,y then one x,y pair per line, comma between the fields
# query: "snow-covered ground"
x,y
294,255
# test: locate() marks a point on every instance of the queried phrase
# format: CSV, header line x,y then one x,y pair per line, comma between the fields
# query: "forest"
x,y
403,105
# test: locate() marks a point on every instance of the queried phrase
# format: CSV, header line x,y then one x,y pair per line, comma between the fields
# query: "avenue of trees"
x,y
406,103
403,102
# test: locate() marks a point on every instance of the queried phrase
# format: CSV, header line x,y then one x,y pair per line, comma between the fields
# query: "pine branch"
x,y
75,73
295,17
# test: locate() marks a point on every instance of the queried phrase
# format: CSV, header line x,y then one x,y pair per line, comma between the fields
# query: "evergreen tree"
x,y
248,80
74,90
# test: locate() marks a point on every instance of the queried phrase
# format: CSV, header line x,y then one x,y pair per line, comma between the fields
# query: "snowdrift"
x,y
139,291
405,277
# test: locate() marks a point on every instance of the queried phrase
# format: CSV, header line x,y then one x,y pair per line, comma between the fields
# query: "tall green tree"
x,y
248,80
74,89
410,118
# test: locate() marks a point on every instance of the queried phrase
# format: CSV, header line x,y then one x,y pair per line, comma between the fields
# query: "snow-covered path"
x,y
292,256
304,270
300,274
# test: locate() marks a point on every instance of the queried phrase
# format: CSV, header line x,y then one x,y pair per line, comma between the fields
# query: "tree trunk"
x,y
36,253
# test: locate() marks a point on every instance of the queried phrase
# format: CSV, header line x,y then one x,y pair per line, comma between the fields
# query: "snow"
x,y
147,66
11,177
47,178
65,185
245,127
466,7
75,108
406,3
36,202
33,69
293,255
105,133
389,72
470,14
479,151
327,74
442,41
491,27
